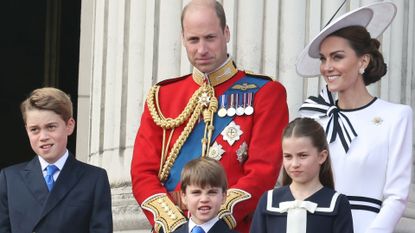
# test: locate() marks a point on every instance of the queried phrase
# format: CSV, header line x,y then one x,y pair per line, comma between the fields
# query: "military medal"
x,y
239,108
222,111
215,151
231,133
242,152
231,110
249,109
204,99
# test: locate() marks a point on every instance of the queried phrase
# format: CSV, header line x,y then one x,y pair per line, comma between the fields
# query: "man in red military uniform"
x,y
217,111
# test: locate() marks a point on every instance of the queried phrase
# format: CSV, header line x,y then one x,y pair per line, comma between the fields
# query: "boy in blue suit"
x,y
203,191
53,192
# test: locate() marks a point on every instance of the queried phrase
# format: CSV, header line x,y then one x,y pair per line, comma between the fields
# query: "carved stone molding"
x,y
127,214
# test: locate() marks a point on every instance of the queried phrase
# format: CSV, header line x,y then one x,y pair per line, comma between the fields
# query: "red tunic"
x,y
261,131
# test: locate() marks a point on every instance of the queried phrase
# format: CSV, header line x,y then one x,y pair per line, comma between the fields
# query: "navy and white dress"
x,y
325,211
371,153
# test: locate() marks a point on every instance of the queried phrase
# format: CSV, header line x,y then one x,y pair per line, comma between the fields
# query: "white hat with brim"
x,y
374,17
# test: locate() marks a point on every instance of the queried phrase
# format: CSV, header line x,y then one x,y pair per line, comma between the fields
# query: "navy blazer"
x,y
80,200
219,227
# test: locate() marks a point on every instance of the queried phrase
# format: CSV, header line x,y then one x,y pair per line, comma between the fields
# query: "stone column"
x,y
292,34
116,70
128,45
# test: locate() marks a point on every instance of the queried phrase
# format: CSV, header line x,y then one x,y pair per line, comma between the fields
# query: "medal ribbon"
x,y
338,124
191,148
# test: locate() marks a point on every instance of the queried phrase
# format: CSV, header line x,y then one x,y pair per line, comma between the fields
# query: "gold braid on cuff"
x,y
233,197
166,215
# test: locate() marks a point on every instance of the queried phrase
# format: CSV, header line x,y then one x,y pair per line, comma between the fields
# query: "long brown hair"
x,y
361,42
307,127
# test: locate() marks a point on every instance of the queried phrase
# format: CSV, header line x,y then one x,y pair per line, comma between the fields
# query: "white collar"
x,y
206,226
61,161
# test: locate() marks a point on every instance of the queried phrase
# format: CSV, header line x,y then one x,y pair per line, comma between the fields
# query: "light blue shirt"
x,y
206,226
59,164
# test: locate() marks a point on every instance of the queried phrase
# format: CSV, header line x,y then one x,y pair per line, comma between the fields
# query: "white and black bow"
x,y
338,124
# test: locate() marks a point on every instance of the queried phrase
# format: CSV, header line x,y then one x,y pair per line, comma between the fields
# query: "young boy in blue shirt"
x,y
53,192
203,191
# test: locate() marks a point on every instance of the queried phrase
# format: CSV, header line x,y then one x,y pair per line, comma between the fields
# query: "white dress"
x,y
375,172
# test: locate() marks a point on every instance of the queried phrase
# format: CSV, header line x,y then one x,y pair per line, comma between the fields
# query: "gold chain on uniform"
x,y
192,111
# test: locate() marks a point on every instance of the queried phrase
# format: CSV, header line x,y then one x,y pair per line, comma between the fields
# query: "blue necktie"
x,y
197,229
50,170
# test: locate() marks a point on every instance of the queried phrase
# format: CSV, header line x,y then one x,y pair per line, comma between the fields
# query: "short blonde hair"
x,y
48,98
203,172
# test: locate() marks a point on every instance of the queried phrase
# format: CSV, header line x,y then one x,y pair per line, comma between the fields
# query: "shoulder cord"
x,y
192,112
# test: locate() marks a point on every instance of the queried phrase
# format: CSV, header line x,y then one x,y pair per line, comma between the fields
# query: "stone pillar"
x,y
249,31
292,35
116,70
128,45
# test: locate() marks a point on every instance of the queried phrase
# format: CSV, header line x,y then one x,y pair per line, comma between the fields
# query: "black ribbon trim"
x,y
365,199
364,207
338,121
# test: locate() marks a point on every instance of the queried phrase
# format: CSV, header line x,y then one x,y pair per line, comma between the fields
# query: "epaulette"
x,y
233,197
171,80
263,76
167,215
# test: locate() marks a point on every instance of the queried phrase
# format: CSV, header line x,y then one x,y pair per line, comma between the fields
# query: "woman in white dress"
x,y
370,139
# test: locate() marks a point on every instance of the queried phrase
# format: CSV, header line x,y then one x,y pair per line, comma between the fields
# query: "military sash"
x,y
192,147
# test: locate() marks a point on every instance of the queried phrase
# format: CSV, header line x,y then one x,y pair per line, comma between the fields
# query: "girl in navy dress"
x,y
307,202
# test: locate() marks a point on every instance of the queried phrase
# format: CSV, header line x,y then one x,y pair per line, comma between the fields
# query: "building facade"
x,y
127,46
